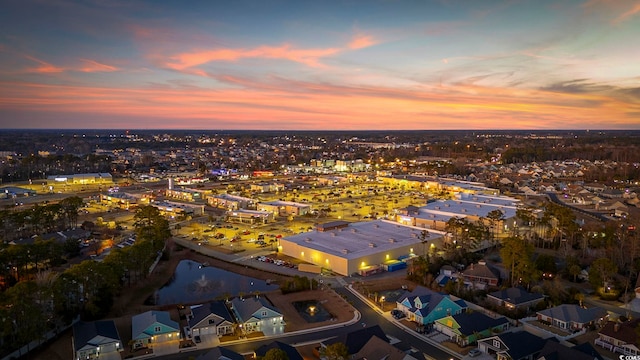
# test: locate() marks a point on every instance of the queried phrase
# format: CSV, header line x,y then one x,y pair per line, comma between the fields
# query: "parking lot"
x,y
350,202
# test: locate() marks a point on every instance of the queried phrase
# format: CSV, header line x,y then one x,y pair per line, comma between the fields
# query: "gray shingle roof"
x,y
574,313
140,322
84,332
218,308
245,308
516,295
220,353
522,344
477,322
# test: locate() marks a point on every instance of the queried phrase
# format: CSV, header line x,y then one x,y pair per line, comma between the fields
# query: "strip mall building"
x,y
362,247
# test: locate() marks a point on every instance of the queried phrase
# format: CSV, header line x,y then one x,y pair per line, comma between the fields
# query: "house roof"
x,y
355,340
292,353
417,292
432,302
522,344
516,295
573,313
218,308
245,308
553,350
85,332
476,322
625,331
481,269
378,349
141,322
220,353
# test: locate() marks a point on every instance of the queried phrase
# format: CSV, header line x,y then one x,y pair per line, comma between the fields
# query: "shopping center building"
x,y
361,247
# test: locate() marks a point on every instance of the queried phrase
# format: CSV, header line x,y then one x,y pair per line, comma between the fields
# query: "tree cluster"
x,y
45,300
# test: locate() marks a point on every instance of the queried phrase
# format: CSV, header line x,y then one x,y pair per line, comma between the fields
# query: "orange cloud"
x,y
94,66
361,41
324,106
627,14
309,57
44,68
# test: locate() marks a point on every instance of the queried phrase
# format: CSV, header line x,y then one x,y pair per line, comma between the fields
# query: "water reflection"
x,y
192,283
312,311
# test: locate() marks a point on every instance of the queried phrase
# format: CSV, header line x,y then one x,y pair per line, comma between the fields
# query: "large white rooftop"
x,y
466,208
365,238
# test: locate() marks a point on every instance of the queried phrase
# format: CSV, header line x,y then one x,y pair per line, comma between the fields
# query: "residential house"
x,y
212,318
256,314
153,327
480,276
519,345
356,340
378,349
572,317
292,353
425,306
620,337
467,328
553,350
220,353
92,339
514,298
447,273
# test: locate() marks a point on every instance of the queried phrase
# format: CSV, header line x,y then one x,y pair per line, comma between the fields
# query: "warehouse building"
x,y
473,207
359,248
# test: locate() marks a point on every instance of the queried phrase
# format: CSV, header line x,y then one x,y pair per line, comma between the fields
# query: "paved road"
x,y
368,315
554,197
371,317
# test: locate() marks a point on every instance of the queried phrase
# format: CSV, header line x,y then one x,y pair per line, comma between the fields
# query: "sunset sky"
x,y
333,65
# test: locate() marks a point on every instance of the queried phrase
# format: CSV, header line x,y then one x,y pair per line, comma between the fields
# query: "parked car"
x,y
474,352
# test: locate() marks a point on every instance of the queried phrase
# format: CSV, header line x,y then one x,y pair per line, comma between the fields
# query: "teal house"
x,y
425,306
152,328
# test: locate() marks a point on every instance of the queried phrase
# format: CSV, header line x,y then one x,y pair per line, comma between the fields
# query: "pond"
x,y
193,282
312,311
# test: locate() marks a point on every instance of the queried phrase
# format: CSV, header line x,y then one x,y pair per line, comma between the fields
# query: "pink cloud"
x,y
44,68
309,57
361,41
94,66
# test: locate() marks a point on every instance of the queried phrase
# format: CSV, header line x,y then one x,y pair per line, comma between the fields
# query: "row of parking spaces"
x,y
129,242
278,262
